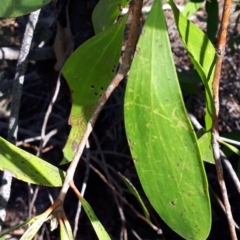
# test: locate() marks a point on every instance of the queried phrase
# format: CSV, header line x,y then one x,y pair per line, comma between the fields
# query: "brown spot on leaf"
x,y
74,145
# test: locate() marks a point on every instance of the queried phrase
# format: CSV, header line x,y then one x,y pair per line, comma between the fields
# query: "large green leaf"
x,y
16,8
88,72
161,139
106,12
27,167
202,54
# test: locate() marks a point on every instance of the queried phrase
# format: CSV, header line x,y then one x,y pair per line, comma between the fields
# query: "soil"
x,y
109,149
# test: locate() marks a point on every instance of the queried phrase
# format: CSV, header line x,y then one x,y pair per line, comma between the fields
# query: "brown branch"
x,y
215,133
123,70
124,200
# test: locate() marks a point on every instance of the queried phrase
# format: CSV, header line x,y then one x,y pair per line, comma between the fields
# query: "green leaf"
x,y
191,7
202,54
134,191
65,229
98,227
106,12
68,229
235,135
88,72
5,232
16,8
161,139
33,229
27,167
206,149
229,146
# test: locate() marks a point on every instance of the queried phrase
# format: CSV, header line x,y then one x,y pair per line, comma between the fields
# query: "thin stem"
x,y
215,132
84,187
5,190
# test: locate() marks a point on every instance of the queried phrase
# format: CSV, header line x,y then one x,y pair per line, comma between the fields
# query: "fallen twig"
x,y
215,132
15,106
13,53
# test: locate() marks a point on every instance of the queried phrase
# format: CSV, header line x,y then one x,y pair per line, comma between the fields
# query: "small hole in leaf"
x,y
172,203
96,93
92,87
102,88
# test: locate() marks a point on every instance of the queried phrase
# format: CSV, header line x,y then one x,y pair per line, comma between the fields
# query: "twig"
x,y
124,200
195,122
224,159
32,202
58,84
230,141
231,171
16,99
221,204
110,179
9,83
47,115
84,187
9,53
215,132
124,68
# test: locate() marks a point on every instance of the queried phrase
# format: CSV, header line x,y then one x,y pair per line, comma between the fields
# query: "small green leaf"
x,y
134,191
229,146
65,229
98,227
161,139
106,12
16,8
89,71
202,54
68,229
206,149
33,229
27,167
191,7
63,232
